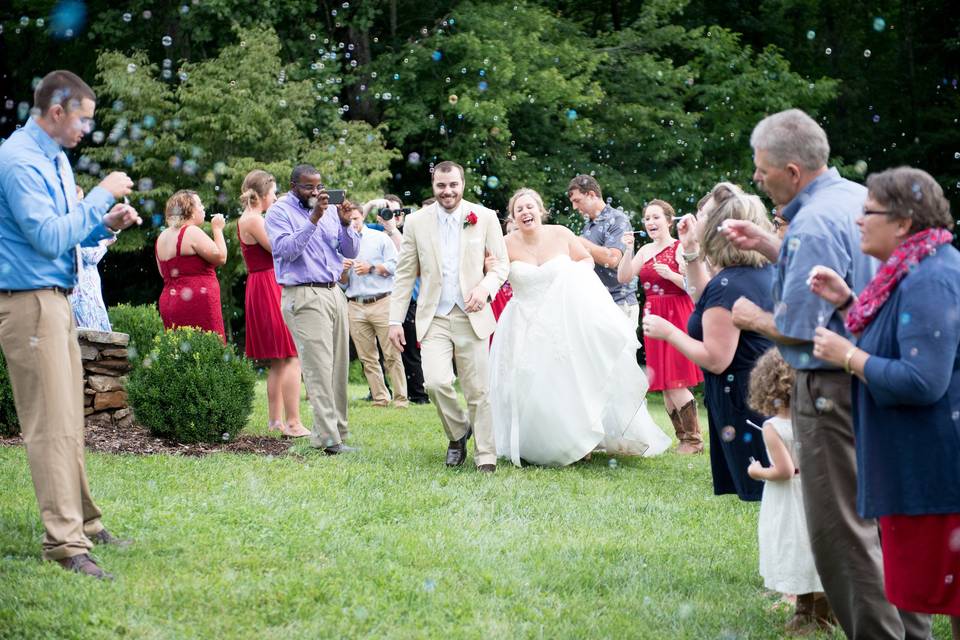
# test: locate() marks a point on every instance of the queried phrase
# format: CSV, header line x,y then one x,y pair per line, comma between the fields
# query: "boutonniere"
x,y
469,220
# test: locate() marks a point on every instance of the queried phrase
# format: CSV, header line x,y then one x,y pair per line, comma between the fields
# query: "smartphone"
x,y
336,196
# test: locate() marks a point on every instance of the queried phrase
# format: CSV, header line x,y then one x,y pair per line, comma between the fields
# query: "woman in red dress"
x,y
659,268
187,258
268,338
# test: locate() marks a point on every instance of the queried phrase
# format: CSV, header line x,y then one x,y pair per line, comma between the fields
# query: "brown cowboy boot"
x,y
822,613
677,424
802,622
691,441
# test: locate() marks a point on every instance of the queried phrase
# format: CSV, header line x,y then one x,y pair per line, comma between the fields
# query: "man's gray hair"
x,y
792,136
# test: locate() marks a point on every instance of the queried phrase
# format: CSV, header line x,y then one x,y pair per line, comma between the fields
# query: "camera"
x,y
386,213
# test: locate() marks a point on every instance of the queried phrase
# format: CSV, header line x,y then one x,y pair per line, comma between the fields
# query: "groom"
x,y
444,244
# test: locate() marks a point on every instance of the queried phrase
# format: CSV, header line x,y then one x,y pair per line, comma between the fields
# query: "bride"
x,y
563,372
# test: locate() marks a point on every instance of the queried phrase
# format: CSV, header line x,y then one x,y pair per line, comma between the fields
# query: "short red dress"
x,y
921,562
268,337
667,368
191,292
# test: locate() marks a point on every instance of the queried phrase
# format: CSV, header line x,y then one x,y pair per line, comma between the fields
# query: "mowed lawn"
x,y
387,543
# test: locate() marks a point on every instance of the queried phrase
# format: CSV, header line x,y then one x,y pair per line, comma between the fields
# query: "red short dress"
x,y
667,368
191,292
921,562
268,337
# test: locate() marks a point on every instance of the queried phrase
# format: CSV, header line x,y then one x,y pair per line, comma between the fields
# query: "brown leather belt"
x,y
369,299
10,292
322,285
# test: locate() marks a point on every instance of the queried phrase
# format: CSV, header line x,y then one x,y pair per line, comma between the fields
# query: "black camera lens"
x,y
386,213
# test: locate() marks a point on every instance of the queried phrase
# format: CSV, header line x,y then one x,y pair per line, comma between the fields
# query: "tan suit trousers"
x,y
452,338
369,323
39,341
317,318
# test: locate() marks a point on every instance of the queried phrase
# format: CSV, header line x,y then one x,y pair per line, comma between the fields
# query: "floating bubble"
x,y
186,294
828,51
860,167
866,53
954,540
948,579
131,68
726,389
493,182
811,34
185,346
414,158
823,404
879,24
34,341
436,55
914,351
482,85
429,585
127,17
571,114
612,463
225,436
730,377
68,18
904,318
747,437
184,9
728,434
453,99
876,118
166,41
724,282
97,137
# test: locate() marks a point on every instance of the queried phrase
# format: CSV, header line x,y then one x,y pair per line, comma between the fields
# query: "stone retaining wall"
x,y
105,366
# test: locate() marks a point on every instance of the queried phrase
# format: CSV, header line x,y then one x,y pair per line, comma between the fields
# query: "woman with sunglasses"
x,y
906,389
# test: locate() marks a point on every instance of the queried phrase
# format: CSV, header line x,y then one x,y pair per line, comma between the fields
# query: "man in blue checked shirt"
x,y
42,227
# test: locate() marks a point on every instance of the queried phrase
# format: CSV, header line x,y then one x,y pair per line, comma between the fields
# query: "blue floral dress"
x,y
89,310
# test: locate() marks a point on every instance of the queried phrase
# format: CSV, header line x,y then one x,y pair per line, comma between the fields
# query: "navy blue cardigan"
x,y
907,416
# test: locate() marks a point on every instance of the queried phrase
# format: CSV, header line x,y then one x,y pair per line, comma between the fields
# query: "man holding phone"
x,y
310,236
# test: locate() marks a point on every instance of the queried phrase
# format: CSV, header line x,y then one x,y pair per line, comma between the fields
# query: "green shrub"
x,y
9,425
141,322
192,388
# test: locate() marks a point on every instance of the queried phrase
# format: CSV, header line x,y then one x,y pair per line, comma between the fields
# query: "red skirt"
x,y
667,368
921,562
268,337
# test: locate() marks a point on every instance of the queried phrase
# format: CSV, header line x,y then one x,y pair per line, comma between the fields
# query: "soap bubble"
x,y
879,24
571,114
436,55
728,433
493,182
482,85
453,99
867,53
811,34
612,463
127,17
414,158
747,437
131,68
166,41
828,51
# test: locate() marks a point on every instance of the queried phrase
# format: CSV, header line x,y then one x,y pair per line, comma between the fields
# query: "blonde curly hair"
x,y
771,382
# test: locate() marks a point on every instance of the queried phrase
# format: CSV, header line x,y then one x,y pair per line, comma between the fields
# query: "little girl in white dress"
x,y
786,561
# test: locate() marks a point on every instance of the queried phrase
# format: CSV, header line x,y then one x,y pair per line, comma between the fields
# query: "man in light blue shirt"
x,y
369,280
42,226
791,152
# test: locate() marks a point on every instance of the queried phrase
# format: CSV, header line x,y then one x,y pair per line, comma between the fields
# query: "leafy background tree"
x,y
657,98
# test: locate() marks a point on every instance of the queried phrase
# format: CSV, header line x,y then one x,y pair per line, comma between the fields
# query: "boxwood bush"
x,y
141,322
9,425
191,387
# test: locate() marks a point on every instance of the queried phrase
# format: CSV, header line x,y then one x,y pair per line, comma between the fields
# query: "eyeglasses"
x,y
309,188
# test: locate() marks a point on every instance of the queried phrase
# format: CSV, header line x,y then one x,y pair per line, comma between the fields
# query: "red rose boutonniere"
x,y
469,220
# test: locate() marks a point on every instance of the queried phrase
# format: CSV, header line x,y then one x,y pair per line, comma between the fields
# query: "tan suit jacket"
x,y
420,255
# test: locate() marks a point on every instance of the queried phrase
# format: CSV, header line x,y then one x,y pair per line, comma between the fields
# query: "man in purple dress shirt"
x,y
310,238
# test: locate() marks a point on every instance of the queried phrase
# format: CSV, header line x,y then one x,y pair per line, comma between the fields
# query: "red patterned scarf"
x,y
903,260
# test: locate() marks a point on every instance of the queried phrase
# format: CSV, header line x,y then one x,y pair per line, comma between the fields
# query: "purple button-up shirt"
x,y
304,252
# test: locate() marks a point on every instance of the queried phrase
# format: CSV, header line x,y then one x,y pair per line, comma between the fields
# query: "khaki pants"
x,y
369,323
39,341
846,548
450,338
317,319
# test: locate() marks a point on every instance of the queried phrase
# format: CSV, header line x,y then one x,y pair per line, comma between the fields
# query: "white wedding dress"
x,y
563,372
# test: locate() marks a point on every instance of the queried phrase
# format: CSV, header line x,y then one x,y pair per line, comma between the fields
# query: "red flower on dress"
x,y
470,220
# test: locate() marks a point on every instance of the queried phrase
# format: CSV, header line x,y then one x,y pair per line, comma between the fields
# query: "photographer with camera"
x,y
369,283
310,237
390,213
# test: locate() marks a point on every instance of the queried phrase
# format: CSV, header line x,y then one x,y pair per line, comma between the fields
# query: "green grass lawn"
x,y
389,543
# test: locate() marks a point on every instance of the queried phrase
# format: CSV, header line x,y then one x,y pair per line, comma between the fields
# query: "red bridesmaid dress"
x,y
667,368
268,337
191,292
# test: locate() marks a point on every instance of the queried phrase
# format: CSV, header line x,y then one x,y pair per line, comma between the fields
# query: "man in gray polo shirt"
x,y
601,236
790,154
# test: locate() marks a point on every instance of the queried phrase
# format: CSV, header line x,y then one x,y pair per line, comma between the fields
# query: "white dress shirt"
x,y
450,225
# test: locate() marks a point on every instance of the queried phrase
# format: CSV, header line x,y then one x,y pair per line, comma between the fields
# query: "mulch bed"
x,y
136,439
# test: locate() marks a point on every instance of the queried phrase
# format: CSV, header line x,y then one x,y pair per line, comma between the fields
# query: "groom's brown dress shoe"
x,y
457,450
84,564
